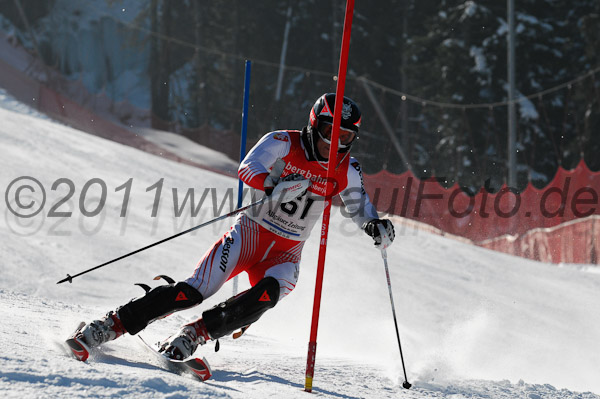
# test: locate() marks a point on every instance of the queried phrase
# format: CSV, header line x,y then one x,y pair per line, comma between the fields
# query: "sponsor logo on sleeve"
x,y
356,166
281,137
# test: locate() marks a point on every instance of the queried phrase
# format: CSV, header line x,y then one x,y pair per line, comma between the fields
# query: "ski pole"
x,y
70,278
383,234
276,171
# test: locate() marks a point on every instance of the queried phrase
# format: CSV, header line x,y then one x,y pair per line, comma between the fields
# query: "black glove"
x,y
372,228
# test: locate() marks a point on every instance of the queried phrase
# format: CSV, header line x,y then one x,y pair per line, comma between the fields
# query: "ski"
x,y
76,346
199,368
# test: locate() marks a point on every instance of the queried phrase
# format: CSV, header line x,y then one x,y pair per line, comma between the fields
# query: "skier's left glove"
x,y
372,228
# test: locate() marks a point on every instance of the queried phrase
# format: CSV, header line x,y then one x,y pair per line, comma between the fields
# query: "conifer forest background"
x,y
432,74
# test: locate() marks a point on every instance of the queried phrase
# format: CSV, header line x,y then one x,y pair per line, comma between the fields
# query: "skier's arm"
x,y
360,208
355,198
254,168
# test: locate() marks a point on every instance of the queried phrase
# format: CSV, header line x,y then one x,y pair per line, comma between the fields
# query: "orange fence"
x,y
571,195
571,242
551,224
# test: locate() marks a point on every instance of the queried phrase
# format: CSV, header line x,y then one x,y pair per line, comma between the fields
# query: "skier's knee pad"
x,y
158,302
242,310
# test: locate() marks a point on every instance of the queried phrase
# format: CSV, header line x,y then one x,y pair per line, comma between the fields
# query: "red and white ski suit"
x,y
267,240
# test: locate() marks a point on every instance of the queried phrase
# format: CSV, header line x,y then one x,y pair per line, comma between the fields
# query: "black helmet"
x,y
322,111
321,115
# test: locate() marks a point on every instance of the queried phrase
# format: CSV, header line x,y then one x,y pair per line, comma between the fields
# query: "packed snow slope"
x,y
473,323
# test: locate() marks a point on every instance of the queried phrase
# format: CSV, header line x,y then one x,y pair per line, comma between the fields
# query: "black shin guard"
x,y
242,310
157,302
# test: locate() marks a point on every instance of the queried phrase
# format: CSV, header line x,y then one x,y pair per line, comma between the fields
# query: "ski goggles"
x,y
345,138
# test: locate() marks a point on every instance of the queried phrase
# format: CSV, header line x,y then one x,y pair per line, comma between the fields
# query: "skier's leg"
x,y
228,254
241,310
157,303
223,319
210,274
137,314
237,312
272,266
283,264
246,308
286,275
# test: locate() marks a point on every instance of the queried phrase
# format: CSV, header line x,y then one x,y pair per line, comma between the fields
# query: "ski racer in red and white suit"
x,y
265,241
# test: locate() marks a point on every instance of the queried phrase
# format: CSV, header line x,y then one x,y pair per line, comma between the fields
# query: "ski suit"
x,y
267,240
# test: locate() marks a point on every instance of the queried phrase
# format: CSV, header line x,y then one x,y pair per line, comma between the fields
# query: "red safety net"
x,y
530,218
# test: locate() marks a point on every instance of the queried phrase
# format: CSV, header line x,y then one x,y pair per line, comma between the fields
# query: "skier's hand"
x,y
375,227
274,176
290,187
270,183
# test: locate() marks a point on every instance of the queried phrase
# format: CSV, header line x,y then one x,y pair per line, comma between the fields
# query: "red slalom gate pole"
x,y
331,165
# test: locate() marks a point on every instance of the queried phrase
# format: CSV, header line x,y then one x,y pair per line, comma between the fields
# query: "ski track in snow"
x,y
474,323
38,366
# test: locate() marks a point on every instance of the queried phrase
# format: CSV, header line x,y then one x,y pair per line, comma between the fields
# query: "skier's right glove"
x,y
372,229
289,187
274,176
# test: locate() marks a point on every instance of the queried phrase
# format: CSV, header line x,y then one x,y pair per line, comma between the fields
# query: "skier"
x,y
265,242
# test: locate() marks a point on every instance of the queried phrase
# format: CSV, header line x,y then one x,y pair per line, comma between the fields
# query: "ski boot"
x,y
103,330
185,342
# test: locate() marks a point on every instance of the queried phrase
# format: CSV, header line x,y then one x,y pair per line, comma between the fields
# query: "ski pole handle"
x,y
384,239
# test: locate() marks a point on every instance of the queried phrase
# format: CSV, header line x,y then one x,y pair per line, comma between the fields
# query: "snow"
x,y
470,8
473,323
527,110
479,58
187,149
